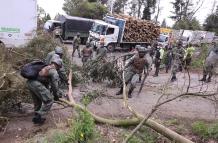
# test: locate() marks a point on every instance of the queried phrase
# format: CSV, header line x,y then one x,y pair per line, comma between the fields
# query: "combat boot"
x,y
204,78
173,78
130,92
120,91
208,80
38,119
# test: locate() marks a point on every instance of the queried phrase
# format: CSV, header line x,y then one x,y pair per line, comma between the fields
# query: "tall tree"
x,y
164,24
119,6
84,8
149,8
211,22
187,24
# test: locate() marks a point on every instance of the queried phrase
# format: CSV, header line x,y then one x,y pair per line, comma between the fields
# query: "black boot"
x,y
38,119
120,91
208,80
204,78
173,78
130,92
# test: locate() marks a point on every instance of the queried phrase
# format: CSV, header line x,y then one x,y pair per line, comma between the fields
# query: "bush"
x,y
206,131
198,62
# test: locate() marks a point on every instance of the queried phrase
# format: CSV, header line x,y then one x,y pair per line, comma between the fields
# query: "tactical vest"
x,y
87,52
139,64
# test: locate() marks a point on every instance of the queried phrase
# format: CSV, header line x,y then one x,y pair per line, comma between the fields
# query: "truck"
x,y
66,27
18,22
114,32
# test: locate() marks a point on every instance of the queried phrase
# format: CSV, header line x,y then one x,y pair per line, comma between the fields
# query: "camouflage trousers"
x,y
85,59
132,78
74,49
41,96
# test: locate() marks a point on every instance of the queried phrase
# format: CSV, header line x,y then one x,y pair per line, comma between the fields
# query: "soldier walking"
x,y
87,53
76,44
159,53
133,69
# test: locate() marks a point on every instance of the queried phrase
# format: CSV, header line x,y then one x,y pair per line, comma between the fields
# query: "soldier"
x,y
87,53
76,44
178,55
169,58
210,63
101,51
58,53
133,69
159,53
42,97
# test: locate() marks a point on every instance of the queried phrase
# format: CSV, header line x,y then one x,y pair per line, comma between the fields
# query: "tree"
x,y
119,6
149,8
187,24
211,22
164,24
84,8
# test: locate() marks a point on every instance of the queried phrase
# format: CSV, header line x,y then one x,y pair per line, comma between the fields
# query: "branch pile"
x,y
99,70
137,30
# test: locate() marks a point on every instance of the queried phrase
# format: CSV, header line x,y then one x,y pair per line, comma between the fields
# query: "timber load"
x,y
137,30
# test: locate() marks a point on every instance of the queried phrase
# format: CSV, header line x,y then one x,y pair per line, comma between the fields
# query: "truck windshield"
x,y
162,38
99,28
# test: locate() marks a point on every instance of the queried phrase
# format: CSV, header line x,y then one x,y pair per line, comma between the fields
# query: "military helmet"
x,y
58,50
57,61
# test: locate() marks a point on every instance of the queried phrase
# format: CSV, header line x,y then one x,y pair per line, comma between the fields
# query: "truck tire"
x,y
111,47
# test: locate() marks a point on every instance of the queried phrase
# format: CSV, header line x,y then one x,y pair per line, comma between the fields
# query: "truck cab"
x,y
103,31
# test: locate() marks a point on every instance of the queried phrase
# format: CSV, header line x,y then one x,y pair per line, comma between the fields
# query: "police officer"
x,y
87,53
41,95
210,63
76,44
58,53
178,55
133,69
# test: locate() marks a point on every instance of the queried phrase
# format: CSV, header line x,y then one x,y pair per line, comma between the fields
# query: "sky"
x,y
55,6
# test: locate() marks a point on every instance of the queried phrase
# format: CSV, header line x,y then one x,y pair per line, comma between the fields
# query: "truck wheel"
x,y
111,47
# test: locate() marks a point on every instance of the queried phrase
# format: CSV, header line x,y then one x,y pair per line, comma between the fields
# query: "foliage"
x,y
149,9
99,70
187,24
206,131
211,23
83,8
90,96
119,6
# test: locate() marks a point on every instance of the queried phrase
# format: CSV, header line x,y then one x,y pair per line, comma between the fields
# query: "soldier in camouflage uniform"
x,y
42,97
178,55
87,53
210,63
58,53
133,69
101,51
76,44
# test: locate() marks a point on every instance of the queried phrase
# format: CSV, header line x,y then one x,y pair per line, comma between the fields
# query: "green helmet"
x,y
57,61
58,50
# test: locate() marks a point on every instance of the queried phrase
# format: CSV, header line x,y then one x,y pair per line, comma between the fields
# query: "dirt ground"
x,y
190,107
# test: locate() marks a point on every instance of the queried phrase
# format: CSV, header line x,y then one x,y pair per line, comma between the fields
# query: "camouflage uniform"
x,y
178,55
61,72
133,69
101,52
86,54
76,44
210,63
41,95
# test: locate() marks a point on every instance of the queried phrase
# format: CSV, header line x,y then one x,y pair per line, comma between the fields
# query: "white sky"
x,y
55,6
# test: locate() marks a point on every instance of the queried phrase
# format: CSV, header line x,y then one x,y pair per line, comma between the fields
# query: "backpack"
x,y
32,69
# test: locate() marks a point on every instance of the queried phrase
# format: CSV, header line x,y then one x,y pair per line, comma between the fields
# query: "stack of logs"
x,y
137,30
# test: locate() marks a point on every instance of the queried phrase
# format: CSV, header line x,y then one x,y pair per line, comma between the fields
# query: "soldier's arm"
x,y
54,80
129,62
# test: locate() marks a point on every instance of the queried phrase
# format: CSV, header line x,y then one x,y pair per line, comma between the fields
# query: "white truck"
x,y
18,22
111,31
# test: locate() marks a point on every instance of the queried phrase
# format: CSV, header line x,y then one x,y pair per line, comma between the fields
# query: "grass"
x,y
206,131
